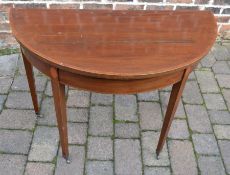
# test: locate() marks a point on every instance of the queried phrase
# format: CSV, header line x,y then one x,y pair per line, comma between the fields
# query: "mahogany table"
x,y
106,51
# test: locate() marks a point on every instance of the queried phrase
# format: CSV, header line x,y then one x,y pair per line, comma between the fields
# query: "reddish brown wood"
x,y
118,86
60,108
115,44
113,52
174,99
31,82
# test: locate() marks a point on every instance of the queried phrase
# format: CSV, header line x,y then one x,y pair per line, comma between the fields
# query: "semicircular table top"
x,y
115,44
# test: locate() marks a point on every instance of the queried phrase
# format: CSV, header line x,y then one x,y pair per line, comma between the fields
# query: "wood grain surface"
x,y
115,44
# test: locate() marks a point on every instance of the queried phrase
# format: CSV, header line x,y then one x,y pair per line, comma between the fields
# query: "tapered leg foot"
x,y
68,161
174,99
39,115
157,155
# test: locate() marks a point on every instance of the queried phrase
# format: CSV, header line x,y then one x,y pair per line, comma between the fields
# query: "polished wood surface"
x,y
118,52
115,44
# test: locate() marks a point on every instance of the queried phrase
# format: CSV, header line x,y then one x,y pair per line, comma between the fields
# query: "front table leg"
x,y
175,96
31,82
60,107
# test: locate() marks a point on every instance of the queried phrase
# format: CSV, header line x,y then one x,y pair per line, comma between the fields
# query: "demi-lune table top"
x,y
115,44
118,52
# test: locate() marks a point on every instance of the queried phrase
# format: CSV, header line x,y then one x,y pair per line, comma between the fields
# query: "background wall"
x,y
221,9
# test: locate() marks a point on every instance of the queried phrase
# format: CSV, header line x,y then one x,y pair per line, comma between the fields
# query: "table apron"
x,y
102,85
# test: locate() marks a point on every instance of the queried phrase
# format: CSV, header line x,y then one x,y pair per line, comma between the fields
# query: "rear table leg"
x,y
31,82
175,96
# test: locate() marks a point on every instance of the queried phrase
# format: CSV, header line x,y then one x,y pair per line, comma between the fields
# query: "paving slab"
x,y
198,118
17,119
150,116
225,152
44,145
12,164
20,100
8,65
76,167
99,168
38,168
5,83
101,116
149,144
211,165
20,83
13,141
205,144
101,99
127,130
100,148
126,107
182,157
127,157
148,96
78,98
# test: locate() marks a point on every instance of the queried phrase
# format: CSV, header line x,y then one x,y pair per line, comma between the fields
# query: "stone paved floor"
x,y
117,134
